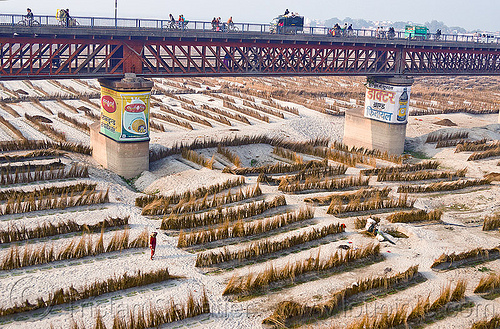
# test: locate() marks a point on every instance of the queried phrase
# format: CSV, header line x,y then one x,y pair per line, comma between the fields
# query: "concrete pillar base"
x,y
125,159
371,134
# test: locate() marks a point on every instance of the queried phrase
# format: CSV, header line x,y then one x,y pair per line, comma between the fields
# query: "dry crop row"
x,y
218,118
221,215
485,154
476,146
265,247
246,111
76,171
288,154
415,216
264,109
491,222
46,128
20,233
157,208
254,282
232,157
400,169
35,155
363,194
421,175
470,256
197,158
193,118
398,159
10,169
46,191
443,186
15,132
32,255
94,289
289,312
276,168
326,185
418,314
372,204
172,120
436,137
230,115
314,174
143,201
44,144
241,229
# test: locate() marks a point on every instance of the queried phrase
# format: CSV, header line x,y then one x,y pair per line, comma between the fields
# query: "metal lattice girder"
x,y
93,57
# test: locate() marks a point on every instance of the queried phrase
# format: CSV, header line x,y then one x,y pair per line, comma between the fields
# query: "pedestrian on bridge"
x,y
29,17
67,17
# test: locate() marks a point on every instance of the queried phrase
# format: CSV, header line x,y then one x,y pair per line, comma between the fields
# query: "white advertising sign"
x,y
387,103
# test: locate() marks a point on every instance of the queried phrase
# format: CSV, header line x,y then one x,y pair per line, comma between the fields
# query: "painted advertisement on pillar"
x,y
387,103
125,115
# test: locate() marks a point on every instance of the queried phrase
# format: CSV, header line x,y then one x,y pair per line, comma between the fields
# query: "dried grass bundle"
x,y
403,168
44,144
16,133
421,175
326,185
264,247
232,157
19,233
374,203
35,155
46,128
94,289
491,222
289,312
230,115
477,146
492,323
76,248
82,125
485,154
188,195
240,229
253,282
435,137
197,158
443,186
246,111
415,216
446,261
362,194
218,118
172,120
221,215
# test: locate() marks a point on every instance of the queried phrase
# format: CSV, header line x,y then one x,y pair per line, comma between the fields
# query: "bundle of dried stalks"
x,y
253,282
232,157
46,191
290,312
246,111
288,154
218,118
19,233
172,120
362,194
485,154
24,168
435,137
264,109
77,248
15,132
30,203
384,155
443,186
221,215
277,168
404,168
94,289
474,255
35,155
230,115
159,208
235,140
46,128
326,185
492,323
82,125
491,222
313,174
477,146
76,171
374,203
421,175
275,104
188,195
415,216
241,229
44,144
197,158
264,247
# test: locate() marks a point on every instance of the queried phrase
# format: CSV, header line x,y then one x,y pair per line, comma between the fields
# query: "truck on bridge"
x,y
287,24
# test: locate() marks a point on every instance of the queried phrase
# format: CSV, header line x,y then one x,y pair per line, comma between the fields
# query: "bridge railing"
x,y
167,26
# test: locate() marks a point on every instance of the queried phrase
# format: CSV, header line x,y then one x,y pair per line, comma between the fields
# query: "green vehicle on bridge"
x,y
416,32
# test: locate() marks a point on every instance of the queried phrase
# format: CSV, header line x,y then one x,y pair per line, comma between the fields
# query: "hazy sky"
x,y
479,14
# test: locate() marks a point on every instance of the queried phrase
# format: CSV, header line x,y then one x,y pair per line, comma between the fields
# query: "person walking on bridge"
x,y
29,17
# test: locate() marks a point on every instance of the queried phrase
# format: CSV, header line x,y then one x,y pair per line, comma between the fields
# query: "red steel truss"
x,y
91,57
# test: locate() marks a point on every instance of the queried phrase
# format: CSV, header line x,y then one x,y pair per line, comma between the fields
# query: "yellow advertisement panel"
x,y
125,115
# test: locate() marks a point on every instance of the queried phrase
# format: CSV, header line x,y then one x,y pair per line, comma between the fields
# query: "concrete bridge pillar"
x,y
120,142
381,124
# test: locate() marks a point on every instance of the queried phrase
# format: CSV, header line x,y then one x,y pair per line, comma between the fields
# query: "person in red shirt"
x,y
152,243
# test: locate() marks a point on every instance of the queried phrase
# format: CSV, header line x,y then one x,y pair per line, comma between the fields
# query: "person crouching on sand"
x,y
152,243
